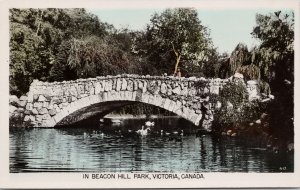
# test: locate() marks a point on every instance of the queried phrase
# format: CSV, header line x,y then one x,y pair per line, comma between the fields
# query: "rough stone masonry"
x,y
60,103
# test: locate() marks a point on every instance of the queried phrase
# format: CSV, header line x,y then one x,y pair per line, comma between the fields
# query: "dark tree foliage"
x,y
275,58
275,55
175,38
35,39
91,57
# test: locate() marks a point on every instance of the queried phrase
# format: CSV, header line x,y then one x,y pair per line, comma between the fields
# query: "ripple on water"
x,y
66,150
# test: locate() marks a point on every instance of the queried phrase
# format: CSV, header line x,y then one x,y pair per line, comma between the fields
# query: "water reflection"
x,y
67,149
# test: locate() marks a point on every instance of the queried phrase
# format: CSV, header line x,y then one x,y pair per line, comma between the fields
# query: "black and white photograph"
x,y
125,93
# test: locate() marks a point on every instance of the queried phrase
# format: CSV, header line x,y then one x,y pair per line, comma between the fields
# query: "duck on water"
x,y
143,132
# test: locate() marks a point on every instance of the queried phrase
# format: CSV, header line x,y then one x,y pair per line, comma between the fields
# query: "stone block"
x,y
192,92
55,106
32,118
73,99
42,111
105,87
69,99
65,104
151,99
66,91
13,100
46,117
145,98
73,91
197,121
179,112
184,91
57,109
214,89
124,84
133,95
83,95
156,90
97,87
128,95
12,108
39,118
169,91
111,95
20,110
42,98
29,106
80,89
95,99
35,97
72,107
176,107
206,90
140,84
145,87
157,100
135,85
45,104
23,98
129,85
56,100
166,104
27,118
34,111
33,123
83,102
92,91
108,86
30,97
50,106
38,105
48,123
119,84
185,111
114,84
64,99
191,114
122,95
179,103
172,106
52,112
105,96
176,90
27,112
163,88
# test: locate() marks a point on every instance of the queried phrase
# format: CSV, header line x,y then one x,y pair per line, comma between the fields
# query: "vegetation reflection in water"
x,y
115,149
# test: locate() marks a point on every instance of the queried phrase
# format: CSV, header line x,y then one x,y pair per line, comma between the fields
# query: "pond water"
x,y
118,148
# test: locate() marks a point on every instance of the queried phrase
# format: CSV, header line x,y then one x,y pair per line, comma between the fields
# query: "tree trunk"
x,y
178,56
177,63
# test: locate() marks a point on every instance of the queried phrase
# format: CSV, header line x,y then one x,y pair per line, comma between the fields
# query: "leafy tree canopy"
x,y
35,37
275,55
176,36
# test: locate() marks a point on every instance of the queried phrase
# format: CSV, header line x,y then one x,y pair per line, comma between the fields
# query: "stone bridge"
x,y
60,103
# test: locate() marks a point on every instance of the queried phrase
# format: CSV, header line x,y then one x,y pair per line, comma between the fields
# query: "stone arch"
x,y
125,97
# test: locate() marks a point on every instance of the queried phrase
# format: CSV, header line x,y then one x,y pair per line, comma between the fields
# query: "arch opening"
x,y
91,115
